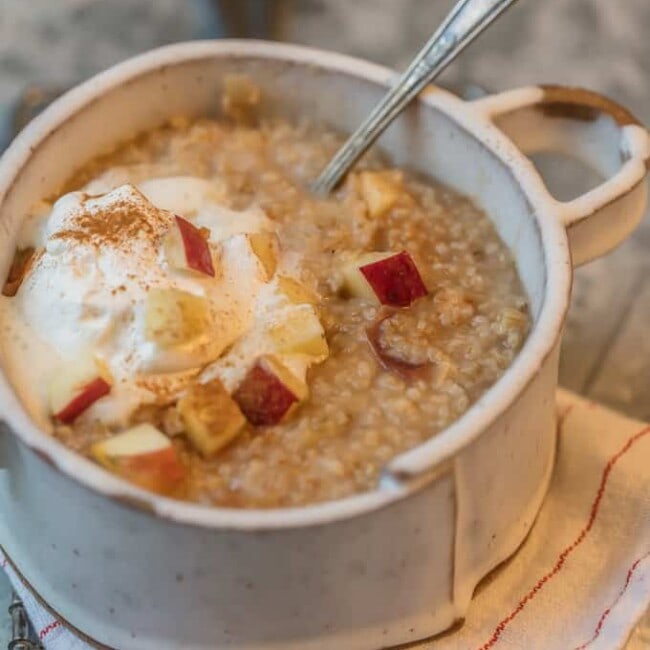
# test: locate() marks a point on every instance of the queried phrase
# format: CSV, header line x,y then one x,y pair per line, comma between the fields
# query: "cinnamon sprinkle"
x,y
116,220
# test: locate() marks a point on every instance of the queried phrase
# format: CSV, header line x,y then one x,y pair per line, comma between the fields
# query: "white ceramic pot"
x,y
134,570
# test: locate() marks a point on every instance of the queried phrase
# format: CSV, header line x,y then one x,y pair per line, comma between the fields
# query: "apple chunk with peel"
x,y
354,282
269,390
144,456
210,416
388,278
300,332
174,317
186,247
77,386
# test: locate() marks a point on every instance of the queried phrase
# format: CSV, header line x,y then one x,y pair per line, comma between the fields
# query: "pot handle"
x,y
596,130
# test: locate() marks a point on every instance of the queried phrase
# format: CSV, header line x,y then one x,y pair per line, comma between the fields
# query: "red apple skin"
x,y
86,397
197,249
159,471
395,280
262,397
399,367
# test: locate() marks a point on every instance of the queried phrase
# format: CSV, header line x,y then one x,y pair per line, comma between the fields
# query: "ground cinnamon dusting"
x,y
115,224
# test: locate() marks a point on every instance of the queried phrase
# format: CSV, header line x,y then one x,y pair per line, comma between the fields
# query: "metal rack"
x,y
23,636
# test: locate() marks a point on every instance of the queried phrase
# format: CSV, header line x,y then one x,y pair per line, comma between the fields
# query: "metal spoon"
x,y
466,21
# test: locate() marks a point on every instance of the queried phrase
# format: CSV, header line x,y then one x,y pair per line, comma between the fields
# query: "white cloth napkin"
x,y
581,580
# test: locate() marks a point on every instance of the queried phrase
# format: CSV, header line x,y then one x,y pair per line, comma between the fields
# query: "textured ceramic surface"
x,y
385,567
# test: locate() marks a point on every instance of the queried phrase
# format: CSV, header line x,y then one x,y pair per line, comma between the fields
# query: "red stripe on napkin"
x,y
48,628
605,614
498,631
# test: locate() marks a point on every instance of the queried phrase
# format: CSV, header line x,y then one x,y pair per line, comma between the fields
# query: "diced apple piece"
x,y
211,417
77,386
268,392
395,280
187,248
84,397
354,282
266,247
301,332
174,317
388,278
380,191
144,456
175,250
296,292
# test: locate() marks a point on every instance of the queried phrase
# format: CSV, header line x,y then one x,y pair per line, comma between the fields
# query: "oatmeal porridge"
x,y
197,322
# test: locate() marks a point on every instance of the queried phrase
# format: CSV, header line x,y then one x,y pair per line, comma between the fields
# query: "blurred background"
x,y
48,45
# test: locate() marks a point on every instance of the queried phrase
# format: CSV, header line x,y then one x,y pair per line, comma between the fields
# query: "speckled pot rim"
x,y
429,455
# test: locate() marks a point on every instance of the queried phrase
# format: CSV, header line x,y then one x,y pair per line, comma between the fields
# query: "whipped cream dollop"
x,y
100,253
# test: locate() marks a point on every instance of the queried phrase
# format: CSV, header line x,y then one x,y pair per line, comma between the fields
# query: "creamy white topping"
x,y
97,259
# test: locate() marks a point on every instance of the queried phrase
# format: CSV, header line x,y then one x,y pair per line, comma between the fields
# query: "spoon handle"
x,y
466,21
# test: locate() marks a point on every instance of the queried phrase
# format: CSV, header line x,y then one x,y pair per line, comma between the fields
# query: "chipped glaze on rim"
x,y
540,343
